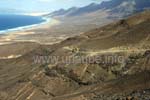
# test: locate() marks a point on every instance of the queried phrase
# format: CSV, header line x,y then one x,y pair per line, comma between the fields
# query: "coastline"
x,y
12,35
7,31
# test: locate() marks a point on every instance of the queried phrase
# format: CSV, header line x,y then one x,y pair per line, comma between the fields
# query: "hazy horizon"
x,y
41,6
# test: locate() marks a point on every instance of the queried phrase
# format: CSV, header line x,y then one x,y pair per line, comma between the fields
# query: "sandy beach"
x,y
26,34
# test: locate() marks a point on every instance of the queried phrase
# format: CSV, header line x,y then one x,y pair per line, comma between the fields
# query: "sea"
x,y
10,22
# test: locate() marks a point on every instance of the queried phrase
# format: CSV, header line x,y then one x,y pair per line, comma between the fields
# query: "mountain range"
x,y
22,78
113,6
106,57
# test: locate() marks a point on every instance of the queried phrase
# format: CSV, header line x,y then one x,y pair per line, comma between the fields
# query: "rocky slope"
x,y
78,20
115,6
125,78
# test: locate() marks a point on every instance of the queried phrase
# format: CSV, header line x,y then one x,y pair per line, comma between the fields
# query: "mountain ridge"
x,y
105,5
128,38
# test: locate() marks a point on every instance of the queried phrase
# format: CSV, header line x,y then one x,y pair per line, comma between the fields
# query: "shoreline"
x,y
13,35
7,31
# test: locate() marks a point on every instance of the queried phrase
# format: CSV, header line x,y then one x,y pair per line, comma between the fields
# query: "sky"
x,y
41,5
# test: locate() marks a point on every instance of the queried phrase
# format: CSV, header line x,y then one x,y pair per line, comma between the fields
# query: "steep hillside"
x,y
125,78
19,48
115,6
77,20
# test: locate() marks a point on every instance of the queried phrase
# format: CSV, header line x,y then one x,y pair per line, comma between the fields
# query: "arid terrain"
x,y
21,78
